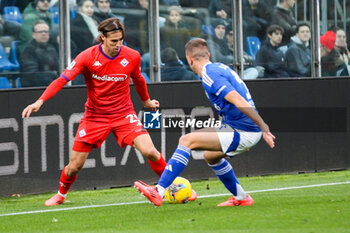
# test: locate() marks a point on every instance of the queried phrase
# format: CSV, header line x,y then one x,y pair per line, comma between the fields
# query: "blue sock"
x,y
224,172
175,166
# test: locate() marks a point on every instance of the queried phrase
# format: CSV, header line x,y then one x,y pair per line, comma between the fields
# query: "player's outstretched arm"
x,y
50,91
235,98
32,108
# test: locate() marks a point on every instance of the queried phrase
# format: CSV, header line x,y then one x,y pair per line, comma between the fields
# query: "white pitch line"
x,y
141,202
277,189
73,208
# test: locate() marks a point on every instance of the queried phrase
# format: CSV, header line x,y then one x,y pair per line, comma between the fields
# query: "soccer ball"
x,y
179,191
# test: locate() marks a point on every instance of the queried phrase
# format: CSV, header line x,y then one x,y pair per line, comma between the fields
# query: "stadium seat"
x,y
12,13
208,30
13,55
5,64
5,83
253,45
73,13
55,14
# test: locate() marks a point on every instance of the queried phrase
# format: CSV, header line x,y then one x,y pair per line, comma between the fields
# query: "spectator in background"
x,y
22,4
40,56
103,11
342,48
37,10
83,26
174,19
218,48
251,71
270,57
9,28
136,35
9,31
298,55
258,13
175,34
283,15
173,69
216,10
120,4
214,7
329,56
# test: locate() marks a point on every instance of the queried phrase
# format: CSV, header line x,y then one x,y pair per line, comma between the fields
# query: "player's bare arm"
x,y
235,98
152,104
32,108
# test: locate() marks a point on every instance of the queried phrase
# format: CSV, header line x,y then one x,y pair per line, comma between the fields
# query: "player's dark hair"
x,y
197,48
274,28
110,25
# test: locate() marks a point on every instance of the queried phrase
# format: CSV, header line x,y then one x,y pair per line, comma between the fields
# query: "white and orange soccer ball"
x,y
179,191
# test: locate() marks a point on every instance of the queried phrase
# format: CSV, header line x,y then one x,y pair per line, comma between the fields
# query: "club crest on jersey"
x,y
82,133
97,63
124,62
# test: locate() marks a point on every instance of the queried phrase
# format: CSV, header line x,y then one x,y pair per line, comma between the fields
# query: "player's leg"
x,y
145,145
69,172
224,171
205,139
232,142
201,139
131,132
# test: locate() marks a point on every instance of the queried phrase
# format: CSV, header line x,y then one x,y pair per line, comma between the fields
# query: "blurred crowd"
x,y
275,44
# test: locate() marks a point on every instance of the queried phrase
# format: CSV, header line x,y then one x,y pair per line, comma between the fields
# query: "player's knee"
x,y
73,169
151,154
186,140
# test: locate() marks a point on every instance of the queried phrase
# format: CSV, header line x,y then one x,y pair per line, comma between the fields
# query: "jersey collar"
x,y
110,58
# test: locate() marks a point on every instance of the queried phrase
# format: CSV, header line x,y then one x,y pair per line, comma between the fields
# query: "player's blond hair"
x,y
197,49
110,25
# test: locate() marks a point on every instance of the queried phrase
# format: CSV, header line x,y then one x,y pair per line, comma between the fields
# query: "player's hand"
x,y
152,104
267,135
269,138
32,108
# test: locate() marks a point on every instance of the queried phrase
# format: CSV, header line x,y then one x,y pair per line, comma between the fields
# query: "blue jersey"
x,y
218,80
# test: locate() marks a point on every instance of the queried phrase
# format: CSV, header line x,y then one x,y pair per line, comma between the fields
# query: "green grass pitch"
x,y
301,208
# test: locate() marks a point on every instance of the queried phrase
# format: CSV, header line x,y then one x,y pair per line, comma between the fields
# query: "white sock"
x,y
241,195
161,190
62,195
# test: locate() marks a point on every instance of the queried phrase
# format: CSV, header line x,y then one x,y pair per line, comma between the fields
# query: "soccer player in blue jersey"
x,y
242,128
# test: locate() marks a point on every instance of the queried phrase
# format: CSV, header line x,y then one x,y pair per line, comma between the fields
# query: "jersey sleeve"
x,y
53,88
76,66
139,81
215,83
